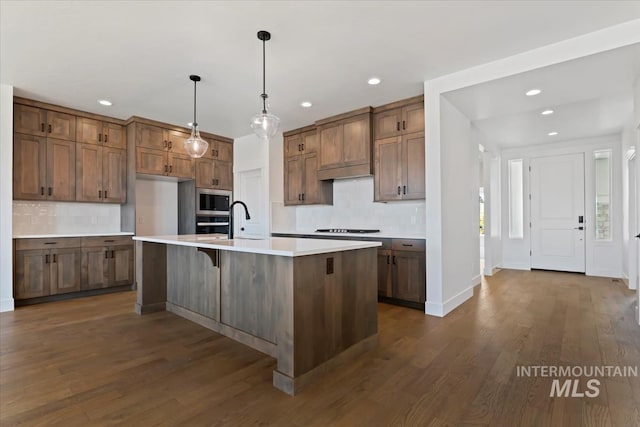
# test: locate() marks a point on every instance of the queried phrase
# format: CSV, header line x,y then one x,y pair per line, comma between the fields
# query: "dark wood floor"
x,y
94,362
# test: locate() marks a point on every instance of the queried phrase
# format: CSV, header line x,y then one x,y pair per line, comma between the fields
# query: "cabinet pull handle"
x,y
398,190
49,128
394,260
388,256
99,137
50,191
106,138
170,168
109,241
170,145
303,197
112,254
42,191
407,244
50,243
105,194
166,168
99,194
397,125
404,127
46,259
106,254
404,189
217,153
41,127
55,259
303,146
299,196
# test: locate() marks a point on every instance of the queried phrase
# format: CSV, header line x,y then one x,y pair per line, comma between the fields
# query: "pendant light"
x,y
264,125
195,145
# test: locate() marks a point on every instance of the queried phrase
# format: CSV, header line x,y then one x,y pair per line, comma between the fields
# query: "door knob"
x,y
579,228
638,236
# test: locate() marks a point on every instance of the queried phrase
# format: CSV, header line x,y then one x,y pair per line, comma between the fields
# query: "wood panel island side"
x,y
311,304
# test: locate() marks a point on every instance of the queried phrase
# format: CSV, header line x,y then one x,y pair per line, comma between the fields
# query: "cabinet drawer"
x,y
54,243
408,245
88,242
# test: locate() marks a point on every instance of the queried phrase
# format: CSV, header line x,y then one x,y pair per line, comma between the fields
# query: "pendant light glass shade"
x,y
195,146
264,124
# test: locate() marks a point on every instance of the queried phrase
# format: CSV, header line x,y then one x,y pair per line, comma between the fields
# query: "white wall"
x,y
602,258
452,193
156,207
6,196
35,217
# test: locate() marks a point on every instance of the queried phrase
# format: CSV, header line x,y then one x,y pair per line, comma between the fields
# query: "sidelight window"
x,y
602,161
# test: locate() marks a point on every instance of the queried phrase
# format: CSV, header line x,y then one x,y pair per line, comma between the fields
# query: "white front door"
x,y
557,208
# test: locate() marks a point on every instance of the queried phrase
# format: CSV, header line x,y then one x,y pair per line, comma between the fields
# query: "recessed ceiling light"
x,y
547,112
104,102
373,81
533,92
306,104
552,133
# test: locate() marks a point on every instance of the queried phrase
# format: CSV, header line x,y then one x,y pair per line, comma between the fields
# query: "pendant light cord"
x,y
264,79
195,124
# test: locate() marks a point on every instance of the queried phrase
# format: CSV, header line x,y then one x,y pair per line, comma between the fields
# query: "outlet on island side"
x,y
330,265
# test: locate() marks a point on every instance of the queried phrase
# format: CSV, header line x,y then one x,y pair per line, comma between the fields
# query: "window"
x,y
516,200
602,161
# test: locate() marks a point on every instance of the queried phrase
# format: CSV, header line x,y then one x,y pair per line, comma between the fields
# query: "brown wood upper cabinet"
x,y
399,118
399,168
100,174
301,183
32,120
92,131
43,168
345,145
215,169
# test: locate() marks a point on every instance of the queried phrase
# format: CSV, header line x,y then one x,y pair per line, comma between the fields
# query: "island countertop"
x,y
281,246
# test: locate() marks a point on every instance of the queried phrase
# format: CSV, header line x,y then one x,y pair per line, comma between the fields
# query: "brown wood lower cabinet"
x,y
48,267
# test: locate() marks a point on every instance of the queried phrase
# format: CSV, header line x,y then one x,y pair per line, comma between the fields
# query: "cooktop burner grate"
x,y
346,230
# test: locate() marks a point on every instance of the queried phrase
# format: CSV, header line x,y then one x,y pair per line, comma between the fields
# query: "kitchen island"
x,y
311,304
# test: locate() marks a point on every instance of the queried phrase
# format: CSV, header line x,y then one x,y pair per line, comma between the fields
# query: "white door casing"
x,y
557,203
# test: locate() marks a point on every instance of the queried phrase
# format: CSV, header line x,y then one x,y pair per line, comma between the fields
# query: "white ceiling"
x,y
590,96
139,54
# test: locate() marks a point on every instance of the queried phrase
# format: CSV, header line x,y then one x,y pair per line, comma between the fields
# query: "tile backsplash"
x,y
58,217
353,207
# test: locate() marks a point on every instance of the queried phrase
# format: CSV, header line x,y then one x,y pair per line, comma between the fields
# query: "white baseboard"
x,y
516,266
442,309
476,281
6,305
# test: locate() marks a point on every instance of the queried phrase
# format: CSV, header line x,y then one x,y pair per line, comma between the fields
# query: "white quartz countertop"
x,y
282,246
60,235
380,235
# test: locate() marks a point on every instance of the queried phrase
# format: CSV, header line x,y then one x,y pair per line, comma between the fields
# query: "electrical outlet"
x,y
330,265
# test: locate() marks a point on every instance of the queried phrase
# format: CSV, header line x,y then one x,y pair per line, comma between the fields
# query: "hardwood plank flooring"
x,y
93,361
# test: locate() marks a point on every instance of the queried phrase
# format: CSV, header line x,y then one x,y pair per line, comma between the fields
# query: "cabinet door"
x,y
311,189
204,173
410,280
29,120
413,118
61,170
29,167
32,274
149,136
384,273
175,142
181,166
413,161
293,145
153,162
223,151
387,123
310,142
293,180
61,126
89,173
331,146
222,175
357,141
95,266
388,169
65,270
88,131
114,175
114,135
120,265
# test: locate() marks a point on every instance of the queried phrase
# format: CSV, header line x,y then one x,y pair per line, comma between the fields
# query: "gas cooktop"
x,y
345,230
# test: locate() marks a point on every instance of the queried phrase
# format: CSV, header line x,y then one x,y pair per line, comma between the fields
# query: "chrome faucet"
x,y
246,215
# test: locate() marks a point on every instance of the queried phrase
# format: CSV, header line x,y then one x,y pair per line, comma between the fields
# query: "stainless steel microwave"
x,y
212,202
